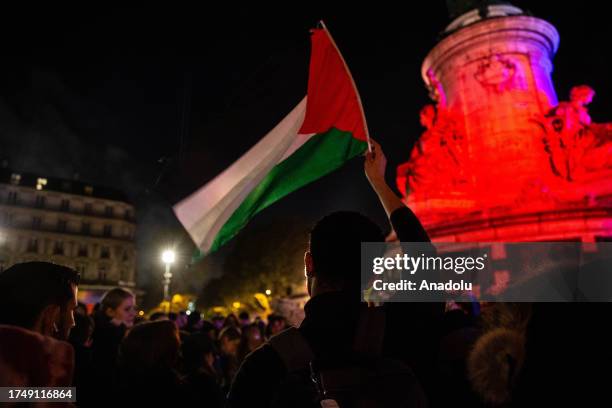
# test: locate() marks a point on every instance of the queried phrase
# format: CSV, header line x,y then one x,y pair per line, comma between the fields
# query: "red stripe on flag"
x,y
332,99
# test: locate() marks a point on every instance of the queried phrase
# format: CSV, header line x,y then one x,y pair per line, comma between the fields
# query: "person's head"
x,y
198,352
194,321
231,320
119,305
276,324
150,346
229,340
244,318
158,316
333,261
209,329
252,337
39,296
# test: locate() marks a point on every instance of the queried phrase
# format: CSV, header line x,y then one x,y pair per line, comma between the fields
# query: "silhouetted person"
x,y
112,321
276,324
194,322
244,319
231,320
147,363
252,338
81,338
229,341
201,379
209,329
158,316
334,313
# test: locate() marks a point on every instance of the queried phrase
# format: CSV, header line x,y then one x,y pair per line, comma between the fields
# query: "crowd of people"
x,y
47,338
345,353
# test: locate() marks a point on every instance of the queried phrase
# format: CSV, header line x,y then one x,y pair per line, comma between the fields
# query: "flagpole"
x,y
348,71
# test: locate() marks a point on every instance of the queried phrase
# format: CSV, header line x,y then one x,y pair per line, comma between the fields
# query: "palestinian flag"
x,y
326,129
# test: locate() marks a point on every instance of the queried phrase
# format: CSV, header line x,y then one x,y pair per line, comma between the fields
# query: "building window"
x,y
102,272
33,245
82,250
41,183
61,226
15,179
104,253
58,248
88,209
40,201
12,197
125,257
128,215
86,228
36,222
65,205
108,230
80,268
108,211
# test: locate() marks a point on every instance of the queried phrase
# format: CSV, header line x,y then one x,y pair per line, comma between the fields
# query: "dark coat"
x,y
329,327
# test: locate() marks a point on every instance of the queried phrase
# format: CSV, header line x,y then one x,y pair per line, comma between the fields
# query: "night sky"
x,y
158,99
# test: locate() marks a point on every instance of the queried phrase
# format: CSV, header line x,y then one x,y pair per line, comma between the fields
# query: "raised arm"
x,y
406,225
375,166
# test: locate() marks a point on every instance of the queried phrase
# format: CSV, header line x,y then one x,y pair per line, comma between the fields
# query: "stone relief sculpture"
x,y
575,145
496,72
436,157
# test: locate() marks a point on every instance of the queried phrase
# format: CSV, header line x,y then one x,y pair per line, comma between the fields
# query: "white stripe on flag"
x,y
205,211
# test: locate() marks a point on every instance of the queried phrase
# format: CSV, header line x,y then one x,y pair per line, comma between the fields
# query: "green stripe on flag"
x,y
320,155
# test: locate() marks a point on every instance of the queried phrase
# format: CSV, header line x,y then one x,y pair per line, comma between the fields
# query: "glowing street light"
x,y
168,257
268,292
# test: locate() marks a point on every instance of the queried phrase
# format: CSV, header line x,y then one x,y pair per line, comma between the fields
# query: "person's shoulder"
x,y
261,368
264,355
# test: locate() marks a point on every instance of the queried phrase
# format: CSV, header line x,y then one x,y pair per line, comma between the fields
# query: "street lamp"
x,y
168,257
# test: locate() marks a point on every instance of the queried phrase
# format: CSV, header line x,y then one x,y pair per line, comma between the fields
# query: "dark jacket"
x,y
329,328
203,390
105,347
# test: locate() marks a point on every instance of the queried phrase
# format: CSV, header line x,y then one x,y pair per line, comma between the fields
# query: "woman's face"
x,y
125,312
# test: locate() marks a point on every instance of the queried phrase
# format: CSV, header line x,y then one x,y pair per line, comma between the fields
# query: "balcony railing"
x,y
126,216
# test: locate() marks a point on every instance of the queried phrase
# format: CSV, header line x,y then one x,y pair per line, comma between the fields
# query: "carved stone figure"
x,y
575,145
